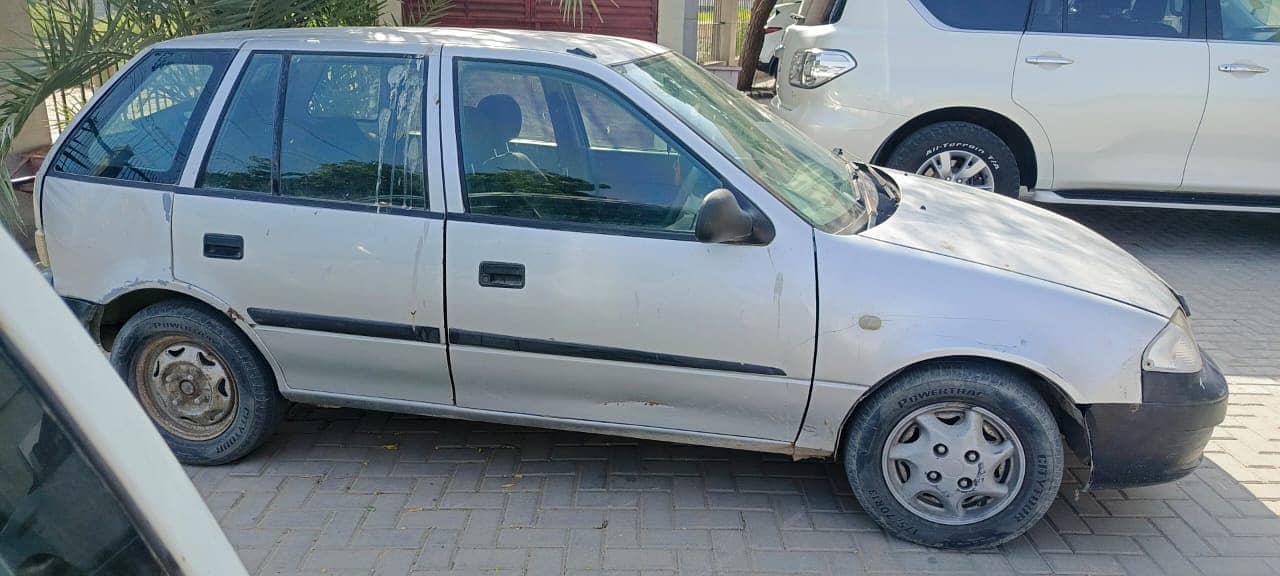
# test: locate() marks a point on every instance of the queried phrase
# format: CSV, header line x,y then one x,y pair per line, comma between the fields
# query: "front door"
x,y
575,286
310,216
1119,87
1235,150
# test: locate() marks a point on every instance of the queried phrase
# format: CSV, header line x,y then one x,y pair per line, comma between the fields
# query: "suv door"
x,y
310,214
576,287
1235,148
1119,87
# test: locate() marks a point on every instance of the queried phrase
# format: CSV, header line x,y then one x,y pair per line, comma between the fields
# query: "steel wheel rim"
x,y
976,473
185,387
961,167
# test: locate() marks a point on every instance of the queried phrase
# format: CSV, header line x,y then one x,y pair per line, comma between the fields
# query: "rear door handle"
x,y
1051,60
225,246
502,275
1246,68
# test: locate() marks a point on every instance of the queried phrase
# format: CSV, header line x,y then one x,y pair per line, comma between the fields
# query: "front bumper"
x,y
1161,439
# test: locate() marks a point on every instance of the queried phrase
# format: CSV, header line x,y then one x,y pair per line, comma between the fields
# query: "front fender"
x,y
883,308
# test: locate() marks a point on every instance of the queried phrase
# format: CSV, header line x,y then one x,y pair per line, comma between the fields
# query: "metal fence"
x,y
722,24
63,105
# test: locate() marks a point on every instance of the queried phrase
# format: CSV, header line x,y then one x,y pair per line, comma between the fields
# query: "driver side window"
x,y
565,148
1251,20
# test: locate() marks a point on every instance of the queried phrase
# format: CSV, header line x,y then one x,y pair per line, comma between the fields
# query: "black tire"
x,y
924,143
258,406
998,390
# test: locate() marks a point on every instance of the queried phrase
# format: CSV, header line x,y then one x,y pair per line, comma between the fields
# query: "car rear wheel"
x,y
200,380
955,455
960,152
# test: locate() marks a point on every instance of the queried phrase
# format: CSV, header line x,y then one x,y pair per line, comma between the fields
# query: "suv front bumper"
x,y
1161,439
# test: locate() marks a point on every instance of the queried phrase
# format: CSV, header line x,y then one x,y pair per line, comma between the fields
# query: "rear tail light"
x,y
814,67
772,29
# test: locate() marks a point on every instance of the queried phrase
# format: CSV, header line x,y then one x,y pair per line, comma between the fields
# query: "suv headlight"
x,y
1174,349
814,67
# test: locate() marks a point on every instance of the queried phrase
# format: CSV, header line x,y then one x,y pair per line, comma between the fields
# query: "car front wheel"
x,y
955,455
960,152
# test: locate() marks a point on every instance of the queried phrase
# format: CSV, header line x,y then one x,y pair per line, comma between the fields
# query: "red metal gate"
x,y
630,18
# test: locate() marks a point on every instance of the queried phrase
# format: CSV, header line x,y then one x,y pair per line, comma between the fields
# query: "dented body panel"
x,y
103,239
933,306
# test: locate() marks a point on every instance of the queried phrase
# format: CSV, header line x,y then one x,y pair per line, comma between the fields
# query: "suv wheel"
x,y
200,380
956,456
960,152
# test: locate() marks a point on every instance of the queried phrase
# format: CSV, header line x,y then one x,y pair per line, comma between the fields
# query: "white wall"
x,y
677,25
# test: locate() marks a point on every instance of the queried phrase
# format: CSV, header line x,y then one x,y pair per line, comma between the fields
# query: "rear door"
x,y
1119,87
576,287
1235,148
310,215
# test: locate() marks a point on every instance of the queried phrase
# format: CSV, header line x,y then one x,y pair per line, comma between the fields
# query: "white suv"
x,y
1167,102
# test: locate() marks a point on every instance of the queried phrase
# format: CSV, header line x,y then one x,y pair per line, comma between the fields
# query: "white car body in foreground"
x,y
1140,102
87,486
606,239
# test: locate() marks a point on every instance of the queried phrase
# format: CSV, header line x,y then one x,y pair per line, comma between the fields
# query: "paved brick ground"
x,y
352,492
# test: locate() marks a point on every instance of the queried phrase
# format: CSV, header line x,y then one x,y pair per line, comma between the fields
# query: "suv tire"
x,y
201,381
946,467
965,140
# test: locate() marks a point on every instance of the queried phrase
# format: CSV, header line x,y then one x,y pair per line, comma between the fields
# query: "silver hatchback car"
x,y
592,233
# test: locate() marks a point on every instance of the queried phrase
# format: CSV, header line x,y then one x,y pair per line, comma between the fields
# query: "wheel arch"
x,y
1066,412
1008,130
122,304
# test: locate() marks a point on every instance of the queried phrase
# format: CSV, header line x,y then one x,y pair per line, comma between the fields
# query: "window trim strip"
x,y
342,325
254,196
563,226
474,339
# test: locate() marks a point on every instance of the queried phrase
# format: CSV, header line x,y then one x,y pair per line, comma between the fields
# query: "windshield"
x,y
814,182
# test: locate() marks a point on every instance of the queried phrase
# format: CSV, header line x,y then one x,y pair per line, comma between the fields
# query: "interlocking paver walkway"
x,y
351,492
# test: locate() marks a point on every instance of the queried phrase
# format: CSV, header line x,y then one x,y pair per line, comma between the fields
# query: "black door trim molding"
x,y
340,325
554,348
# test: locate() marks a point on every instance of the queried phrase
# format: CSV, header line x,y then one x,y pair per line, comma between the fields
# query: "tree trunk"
x,y
750,54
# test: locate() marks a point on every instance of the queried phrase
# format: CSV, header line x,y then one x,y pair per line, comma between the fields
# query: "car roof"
x,y
607,49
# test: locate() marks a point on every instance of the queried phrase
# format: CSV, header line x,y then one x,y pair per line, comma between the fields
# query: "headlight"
x,y
1174,349
814,67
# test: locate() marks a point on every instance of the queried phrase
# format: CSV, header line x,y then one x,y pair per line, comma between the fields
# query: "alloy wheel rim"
x,y
185,388
960,167
953,463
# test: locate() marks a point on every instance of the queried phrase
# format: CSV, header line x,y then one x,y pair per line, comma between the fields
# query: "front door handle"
x,y
224,246
502,275
1246,68
1051,60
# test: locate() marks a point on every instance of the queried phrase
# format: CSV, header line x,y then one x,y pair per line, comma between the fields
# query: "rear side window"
x,y
142,129
345,128
999,15
1133,18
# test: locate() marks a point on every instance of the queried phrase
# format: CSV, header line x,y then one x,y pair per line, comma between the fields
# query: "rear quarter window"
x,y
142,129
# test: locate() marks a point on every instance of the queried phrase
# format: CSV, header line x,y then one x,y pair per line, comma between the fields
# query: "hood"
x,y
992,230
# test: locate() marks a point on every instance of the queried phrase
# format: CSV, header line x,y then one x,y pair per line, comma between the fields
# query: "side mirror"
x,y
722,220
